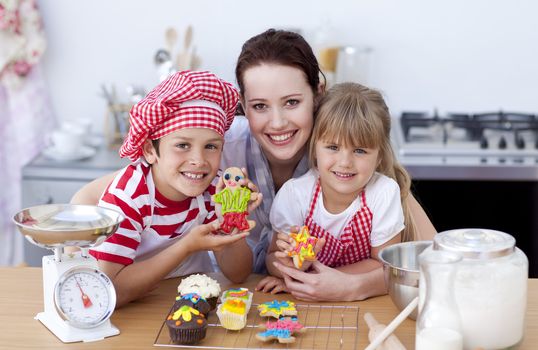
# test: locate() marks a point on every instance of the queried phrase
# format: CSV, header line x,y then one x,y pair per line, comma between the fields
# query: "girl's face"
x,y
344,171
279,105
188,161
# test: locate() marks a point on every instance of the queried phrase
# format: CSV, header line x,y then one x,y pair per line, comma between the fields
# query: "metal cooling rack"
x,y
327,327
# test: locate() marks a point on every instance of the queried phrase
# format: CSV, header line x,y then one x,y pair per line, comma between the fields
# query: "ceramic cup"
x,y
67,142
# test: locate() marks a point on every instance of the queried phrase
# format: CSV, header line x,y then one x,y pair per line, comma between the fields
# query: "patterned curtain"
x,y
25,112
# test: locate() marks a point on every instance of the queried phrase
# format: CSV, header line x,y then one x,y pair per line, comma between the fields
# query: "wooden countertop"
x,y
21,298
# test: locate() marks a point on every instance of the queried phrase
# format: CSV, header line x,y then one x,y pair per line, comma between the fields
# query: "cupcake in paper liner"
x,y
232,314
186,325
205,286
239,294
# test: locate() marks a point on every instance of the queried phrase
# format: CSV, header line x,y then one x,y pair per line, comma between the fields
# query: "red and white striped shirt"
x,y
152,222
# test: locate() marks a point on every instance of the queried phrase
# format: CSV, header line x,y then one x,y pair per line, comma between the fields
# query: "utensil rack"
x,y
327,327
116,124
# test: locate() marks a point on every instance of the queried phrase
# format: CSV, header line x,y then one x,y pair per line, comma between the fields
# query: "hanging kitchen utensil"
x,y
196,61
170,37
184,58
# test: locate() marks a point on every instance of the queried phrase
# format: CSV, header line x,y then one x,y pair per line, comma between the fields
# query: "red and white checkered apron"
x,y
354,243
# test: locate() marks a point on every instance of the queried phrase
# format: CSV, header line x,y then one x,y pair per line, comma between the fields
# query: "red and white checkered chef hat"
x,y
184,100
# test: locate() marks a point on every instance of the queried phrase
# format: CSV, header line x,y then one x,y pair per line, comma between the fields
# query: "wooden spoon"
x,y
184,58
170,37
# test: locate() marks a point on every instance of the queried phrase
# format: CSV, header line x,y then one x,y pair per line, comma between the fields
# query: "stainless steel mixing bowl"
x,y
400,265
59,225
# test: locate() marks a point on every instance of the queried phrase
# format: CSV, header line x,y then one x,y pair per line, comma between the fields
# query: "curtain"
x,y
25,112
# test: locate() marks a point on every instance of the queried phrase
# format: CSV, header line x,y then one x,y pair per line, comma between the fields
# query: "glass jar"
x,y
438,323
490,287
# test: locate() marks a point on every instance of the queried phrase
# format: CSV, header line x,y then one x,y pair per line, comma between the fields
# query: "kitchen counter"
x,y
21,298
467,169
103,162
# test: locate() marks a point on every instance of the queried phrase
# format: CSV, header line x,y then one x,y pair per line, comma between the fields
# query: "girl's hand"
x,y
202,238
285,244
271,284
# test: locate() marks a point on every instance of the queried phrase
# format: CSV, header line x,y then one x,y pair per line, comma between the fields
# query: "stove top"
x,y
498,137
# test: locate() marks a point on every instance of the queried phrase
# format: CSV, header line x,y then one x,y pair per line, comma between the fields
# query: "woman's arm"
x,y
424,227
92,191
328,284
235,261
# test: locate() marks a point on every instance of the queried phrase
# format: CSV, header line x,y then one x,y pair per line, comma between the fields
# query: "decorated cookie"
x,y
277,309
234,201
282,330
232,314
303,248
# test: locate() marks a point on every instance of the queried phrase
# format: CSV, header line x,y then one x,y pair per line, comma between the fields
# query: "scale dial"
x,y
84,297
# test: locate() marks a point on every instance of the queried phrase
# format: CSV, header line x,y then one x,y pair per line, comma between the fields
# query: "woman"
x,y
278,77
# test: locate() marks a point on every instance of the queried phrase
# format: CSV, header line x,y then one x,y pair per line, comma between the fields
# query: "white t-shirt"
x,y
292,202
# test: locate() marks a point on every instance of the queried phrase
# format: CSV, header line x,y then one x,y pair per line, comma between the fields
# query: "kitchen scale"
x,y
79,299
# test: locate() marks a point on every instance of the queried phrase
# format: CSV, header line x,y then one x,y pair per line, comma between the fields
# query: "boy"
x,y
175,142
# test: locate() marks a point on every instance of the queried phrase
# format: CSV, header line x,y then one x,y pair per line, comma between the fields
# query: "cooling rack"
x,y
327,327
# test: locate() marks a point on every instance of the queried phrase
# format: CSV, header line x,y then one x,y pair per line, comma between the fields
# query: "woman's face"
x,y
279,105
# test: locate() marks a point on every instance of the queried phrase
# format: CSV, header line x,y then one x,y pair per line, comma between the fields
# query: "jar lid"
x,y
475,243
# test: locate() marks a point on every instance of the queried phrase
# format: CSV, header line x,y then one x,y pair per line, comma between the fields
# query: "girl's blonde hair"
x,y
354,115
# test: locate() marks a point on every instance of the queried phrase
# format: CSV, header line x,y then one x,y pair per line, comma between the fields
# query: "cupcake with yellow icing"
x,y
186,325
238,293
232,314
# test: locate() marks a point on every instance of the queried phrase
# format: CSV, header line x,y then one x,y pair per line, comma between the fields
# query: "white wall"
x,y
458,55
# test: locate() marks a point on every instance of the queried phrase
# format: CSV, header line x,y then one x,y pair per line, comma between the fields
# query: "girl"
x,y
351,197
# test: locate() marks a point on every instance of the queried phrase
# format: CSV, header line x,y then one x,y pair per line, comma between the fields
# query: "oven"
x,y
474,170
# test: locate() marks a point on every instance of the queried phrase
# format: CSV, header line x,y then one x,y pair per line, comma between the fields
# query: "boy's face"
x,y
188,161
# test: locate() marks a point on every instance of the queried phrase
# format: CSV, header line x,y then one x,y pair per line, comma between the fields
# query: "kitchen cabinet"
x,y
46,181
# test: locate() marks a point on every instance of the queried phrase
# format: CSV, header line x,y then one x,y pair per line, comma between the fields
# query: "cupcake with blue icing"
x,y
193,300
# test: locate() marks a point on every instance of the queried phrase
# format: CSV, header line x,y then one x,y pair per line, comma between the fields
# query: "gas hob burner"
x,y
497,130
439,127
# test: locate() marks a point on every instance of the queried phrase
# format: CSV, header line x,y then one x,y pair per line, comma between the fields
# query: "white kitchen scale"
x,y
78,298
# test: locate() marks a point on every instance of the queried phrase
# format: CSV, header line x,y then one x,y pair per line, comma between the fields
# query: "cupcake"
x,y
193,300
186,325
232,314
238,293
206,287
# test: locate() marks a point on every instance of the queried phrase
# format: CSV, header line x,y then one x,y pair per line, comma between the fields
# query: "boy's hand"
x,y
271,284
202,238
255,196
